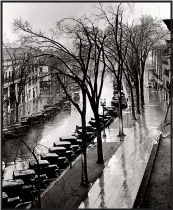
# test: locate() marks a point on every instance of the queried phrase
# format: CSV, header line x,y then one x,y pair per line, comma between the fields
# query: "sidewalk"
x,y
121,178
159,191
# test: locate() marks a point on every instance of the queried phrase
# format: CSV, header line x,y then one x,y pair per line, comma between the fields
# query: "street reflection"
x,y
102,192
124,172
42,137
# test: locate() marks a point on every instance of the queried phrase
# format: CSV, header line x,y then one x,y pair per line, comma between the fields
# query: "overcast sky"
x,y
44,15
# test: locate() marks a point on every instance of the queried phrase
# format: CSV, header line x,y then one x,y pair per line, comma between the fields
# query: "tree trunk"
x,y
99,140
133,103
142,91
82,172
84,180
137,98
121,131
39,191
131,93
84,146
17,111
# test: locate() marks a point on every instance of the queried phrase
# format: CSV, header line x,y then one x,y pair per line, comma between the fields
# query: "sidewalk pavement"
x,y
159,191
121,178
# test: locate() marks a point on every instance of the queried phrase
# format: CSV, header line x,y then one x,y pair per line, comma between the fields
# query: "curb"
x,y
141,195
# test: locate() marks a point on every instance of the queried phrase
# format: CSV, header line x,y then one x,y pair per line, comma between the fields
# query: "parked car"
x,y
12,187
89,136
65,144
42,163
27,193
71,139
76,149
62,151
45,168
12,202
88,128
23,205
112,111
53,158
25,175
42,179
4,200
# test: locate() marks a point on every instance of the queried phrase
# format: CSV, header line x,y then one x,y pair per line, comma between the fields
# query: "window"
x,y
9,74
32,79
36,69
33,68
29,93
36,90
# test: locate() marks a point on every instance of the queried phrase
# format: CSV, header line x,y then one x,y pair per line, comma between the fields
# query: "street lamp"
x,y
103,104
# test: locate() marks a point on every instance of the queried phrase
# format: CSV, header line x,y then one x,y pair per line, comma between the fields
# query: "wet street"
x,y
16,155
122,176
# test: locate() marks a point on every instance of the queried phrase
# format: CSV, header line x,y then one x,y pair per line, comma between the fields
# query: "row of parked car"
x,y
24,185
115,98
23,188
21,128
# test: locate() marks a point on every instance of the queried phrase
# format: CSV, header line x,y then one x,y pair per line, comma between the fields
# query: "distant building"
x,y
161,62
35,80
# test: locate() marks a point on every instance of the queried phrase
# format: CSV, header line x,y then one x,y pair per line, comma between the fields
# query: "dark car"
x,y
42,164
88,129
71,139
53,158
112,111
27,193
23,205
4,200
12,202
62,151
25,175
12,187
45,168
65,144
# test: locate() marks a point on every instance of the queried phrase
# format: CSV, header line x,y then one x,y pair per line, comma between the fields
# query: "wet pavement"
x,y
122,176
158,194
16,155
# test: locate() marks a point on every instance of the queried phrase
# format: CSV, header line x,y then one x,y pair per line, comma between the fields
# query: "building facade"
x,y
33,82
161,62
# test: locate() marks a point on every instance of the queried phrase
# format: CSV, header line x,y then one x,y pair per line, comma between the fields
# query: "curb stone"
x,y
141,195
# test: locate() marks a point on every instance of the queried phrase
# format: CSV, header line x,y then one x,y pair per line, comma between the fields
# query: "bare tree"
x,y
142,38
115,48
84,33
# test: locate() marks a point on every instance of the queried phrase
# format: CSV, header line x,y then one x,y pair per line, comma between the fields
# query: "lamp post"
x,y
103,104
